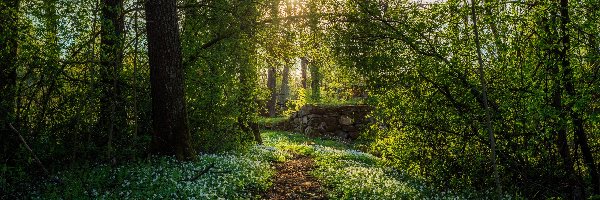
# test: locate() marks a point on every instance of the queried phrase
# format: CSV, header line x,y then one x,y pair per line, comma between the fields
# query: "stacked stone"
x,y
344,122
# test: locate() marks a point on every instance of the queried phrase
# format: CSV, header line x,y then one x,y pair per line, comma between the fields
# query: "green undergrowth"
x,y
223,176
351,174
345,173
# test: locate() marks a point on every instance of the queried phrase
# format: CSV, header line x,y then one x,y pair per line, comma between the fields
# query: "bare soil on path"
x,y
293,181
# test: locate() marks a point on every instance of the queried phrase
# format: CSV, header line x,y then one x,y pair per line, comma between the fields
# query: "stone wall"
x,y
344,122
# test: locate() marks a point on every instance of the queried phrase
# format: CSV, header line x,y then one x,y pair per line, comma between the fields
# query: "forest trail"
x,y
293,180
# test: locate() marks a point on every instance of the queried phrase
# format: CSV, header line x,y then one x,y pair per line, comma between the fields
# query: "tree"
x,y
170,125
284,90
112,109
8,73
486,107
272,85
303,64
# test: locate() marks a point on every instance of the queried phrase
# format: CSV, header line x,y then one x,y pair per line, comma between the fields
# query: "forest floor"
x,y
287,166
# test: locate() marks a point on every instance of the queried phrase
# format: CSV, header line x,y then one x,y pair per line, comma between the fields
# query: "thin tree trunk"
x,y
303,65
579,129
488,121
49,74
8,75
557,61
272,84
284,91
169,115
112,119
135,59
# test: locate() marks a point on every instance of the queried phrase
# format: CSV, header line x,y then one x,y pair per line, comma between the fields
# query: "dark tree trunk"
x,y
8,75
579,130
169,116
112,120
49,74
559,56
272,84
303,65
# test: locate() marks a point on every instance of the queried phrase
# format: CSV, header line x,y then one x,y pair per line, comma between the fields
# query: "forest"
x,y
299,99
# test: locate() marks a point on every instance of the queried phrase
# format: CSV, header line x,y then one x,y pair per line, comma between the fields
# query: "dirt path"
x,y
293,181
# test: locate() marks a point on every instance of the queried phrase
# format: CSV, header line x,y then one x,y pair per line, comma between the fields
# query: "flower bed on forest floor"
x,y
344,173
212,176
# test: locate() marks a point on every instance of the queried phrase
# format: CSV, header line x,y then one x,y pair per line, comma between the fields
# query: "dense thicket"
x,y
540,60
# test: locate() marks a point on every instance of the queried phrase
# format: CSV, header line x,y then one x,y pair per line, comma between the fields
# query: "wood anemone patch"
x,y
293,181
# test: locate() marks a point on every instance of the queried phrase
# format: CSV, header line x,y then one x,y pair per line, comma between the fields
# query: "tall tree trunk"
x,y
488,121
578,125
50,71
284,91
135,60
169,116
593,55
272,84
554,63
303,65
8,75
112,119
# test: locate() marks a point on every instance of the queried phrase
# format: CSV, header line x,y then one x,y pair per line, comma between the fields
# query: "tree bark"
x,y
169,115
303,65
578,125
272,84
8,74
284,91
557,59
112,120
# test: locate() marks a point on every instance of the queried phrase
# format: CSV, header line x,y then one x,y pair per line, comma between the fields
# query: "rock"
x,y
353,135
345,120
309,131
322,127
341,134
349,128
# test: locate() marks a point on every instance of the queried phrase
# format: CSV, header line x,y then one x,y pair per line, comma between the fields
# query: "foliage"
x,y
414,62
270,120
419,62
234,176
